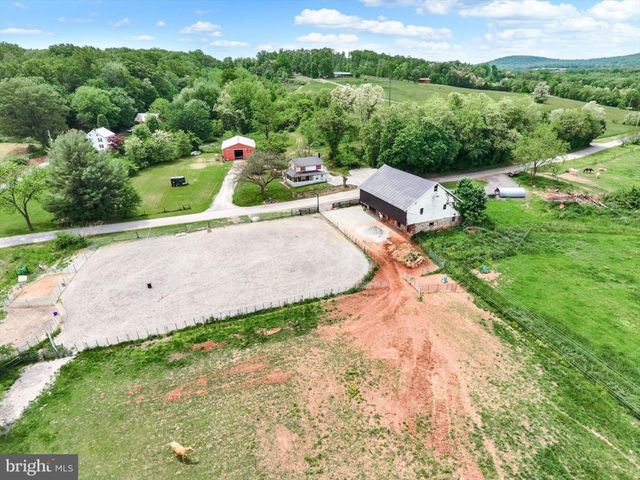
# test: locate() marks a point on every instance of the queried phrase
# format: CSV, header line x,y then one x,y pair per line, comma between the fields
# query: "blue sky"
x,y
468,30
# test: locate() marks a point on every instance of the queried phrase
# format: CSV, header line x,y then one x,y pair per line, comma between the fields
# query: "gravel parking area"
x,y
204,274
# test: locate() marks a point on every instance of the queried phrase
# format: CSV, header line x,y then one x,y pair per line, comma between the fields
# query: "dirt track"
x,y
439,349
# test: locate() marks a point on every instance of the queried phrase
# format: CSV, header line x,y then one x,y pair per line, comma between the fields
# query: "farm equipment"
x,y
178,182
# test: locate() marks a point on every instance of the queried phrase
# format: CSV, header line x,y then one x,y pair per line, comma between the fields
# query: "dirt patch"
x,y
177,356
174,395
155,341
439,348
200,165
12,148
24,324
491,277
406,254
207,346
274,378
269,331
246,368
40,291
573,178
201,381
134,390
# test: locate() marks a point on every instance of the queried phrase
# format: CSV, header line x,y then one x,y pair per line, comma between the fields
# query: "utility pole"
x,y
389,89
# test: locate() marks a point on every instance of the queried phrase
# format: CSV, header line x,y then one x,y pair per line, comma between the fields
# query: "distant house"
x,y
409,202
342,74
424,80
238,148
143,117
305,171
99,138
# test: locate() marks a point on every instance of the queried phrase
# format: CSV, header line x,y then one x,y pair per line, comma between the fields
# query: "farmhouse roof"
x,y
396,187
238,139
307,161
103,132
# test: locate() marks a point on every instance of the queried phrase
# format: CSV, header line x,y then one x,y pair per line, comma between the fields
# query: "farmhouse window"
x,y
444,207
435,188
421,211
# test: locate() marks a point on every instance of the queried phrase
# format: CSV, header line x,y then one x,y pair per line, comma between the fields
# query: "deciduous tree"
x,y
31,108
262,168
19,185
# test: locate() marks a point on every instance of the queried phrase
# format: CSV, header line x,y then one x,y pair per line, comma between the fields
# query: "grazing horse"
x,y
587,170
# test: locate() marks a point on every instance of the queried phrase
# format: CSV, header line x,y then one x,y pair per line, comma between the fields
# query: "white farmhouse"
x,y
99,138
411,203
305,171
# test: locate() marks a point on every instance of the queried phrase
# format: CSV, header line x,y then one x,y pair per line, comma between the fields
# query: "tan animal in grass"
x,y
179,450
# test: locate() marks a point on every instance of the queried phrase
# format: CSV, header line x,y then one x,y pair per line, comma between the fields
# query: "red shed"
x,y
238,148
424,80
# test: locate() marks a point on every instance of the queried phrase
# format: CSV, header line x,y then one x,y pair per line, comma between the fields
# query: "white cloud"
x,y
203,27
540,9
437,7
421,47
328,39
330,18
142,38
120,23
202,11
228,43
24,31
622,10
78,20
19,5
160,23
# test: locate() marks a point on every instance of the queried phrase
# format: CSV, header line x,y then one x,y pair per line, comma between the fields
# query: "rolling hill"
x,y
528,62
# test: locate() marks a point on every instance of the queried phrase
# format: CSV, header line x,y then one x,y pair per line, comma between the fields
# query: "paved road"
x,y
271,208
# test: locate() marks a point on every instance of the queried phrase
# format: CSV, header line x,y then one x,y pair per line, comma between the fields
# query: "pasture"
x,y
621,169
159,199
406,91
574,268
271,395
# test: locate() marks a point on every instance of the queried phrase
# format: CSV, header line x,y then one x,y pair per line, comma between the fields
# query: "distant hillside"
x,y
527,62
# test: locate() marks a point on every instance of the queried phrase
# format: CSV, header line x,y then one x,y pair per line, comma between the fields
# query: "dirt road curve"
x,y
214,213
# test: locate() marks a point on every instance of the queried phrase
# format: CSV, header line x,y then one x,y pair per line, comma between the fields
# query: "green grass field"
x,y
248,194
622,166
405,91
159,199
580,275
250,408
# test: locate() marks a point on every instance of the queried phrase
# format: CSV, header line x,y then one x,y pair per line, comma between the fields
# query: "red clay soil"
x,y
419,338
174,395
207,346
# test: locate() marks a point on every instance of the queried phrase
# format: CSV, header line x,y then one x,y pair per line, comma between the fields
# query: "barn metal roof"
x,y
230,142
396,187
307,161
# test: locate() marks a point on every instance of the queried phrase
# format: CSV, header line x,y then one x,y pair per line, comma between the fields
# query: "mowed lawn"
x,y
406,91
160,199
247,194
622,166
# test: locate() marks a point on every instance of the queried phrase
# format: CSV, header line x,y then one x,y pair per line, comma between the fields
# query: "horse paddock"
x,y
136,288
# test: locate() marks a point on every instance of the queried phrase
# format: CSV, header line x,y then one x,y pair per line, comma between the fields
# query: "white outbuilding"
x,y
99,138
409,202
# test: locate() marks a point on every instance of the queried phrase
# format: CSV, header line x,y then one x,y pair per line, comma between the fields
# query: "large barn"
x,y
238,148
409,202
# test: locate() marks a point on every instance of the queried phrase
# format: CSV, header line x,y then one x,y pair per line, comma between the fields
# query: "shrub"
x,y
69,241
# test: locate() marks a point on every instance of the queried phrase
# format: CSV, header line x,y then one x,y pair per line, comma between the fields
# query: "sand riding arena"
x,y
138,288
